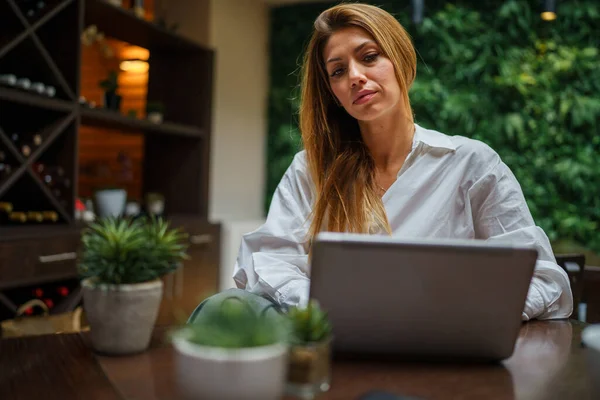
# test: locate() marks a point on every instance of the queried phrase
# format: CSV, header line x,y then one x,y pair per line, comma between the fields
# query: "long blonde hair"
x,y
339,162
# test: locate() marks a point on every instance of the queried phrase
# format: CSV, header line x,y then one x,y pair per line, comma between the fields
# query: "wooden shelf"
x,y
114,120
22,97
124,25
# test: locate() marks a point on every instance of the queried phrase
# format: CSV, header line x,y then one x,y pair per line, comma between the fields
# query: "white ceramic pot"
x,y
121,317
209,373
591,339
111,202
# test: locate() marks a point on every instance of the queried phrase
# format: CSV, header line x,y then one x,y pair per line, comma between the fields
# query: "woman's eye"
x,y
336,72
370,57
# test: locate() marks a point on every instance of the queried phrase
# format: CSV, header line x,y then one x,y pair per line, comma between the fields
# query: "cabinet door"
x,y
196,280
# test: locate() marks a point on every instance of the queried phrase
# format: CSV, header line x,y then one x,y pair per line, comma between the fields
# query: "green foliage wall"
x,y
493,71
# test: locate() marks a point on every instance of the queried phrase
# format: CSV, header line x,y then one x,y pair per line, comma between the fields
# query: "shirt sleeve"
x,y
273,260
500,212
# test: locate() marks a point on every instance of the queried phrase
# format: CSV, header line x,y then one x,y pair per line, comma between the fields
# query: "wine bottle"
x,y
35,216
8,79
50,91
5,170
5,210
51,216
38,88
6,207
48,180
33,8
38,168
37,140
26,150
23,83
18,216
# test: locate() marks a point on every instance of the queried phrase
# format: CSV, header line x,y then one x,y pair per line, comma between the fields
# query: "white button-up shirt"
x,y
448,187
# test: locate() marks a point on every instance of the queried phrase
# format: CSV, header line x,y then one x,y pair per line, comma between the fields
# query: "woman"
x,y
368,168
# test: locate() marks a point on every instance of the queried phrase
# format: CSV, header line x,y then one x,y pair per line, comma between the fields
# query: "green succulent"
x,y
235,324
310,324
110,84
125,251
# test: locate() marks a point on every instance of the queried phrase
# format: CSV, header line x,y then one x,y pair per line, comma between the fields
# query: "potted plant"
x,y
122,261
232,353
155,111
309,371
155,203
112,101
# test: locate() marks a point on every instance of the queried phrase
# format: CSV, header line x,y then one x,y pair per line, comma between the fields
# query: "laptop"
x,y
421,298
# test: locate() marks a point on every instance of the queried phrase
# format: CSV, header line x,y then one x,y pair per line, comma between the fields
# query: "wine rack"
x,y
40,122
37,111
40,114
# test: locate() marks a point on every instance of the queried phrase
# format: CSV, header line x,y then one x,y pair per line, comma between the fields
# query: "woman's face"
x,y
361,77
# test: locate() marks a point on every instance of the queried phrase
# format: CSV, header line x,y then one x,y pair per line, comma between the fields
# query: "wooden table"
x,y
548,364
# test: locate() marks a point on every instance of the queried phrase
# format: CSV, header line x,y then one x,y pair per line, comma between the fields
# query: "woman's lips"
x,y
364,98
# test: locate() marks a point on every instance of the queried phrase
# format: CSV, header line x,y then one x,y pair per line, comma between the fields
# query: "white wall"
x,y
239,33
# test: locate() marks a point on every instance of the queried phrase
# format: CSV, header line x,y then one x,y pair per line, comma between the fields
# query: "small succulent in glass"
x,y
309,371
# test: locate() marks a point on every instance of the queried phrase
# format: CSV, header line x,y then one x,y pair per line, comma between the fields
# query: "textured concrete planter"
x,y
230,374
121,317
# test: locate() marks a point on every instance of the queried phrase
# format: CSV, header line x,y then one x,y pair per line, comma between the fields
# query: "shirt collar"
x,y
432,139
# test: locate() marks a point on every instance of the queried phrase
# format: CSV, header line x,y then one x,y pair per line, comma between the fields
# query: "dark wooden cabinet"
x,y
197,279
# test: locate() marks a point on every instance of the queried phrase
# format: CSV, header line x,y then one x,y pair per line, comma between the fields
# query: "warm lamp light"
x,y
134,66
134,53
548,16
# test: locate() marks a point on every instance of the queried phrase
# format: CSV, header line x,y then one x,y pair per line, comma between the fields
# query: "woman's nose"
x,y
356,74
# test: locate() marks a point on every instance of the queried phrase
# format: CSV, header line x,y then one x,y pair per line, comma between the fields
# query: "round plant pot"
x,y
111,202
230,374
591,339
155,117
309,370
112,101
121,317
